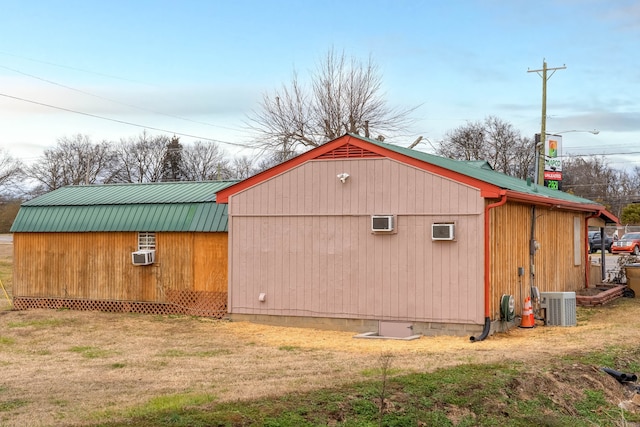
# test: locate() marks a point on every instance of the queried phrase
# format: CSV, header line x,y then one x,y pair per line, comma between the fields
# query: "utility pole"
x,y
539,176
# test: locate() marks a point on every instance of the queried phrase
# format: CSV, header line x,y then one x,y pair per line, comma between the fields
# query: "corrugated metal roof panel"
x,y
126,194
483,173
203,217
166,206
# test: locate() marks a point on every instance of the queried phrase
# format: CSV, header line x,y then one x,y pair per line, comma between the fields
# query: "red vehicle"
x,y
629,243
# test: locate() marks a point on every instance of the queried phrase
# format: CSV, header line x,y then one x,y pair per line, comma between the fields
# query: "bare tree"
x,y
74,160
344,96
594,179
10,172
464,143
140,159
494,141
242,167
204,161
274,159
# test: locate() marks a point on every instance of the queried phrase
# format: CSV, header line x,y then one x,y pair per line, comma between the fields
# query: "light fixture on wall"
x,y
343,177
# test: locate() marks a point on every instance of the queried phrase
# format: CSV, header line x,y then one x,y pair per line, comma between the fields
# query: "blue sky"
x,y
200,67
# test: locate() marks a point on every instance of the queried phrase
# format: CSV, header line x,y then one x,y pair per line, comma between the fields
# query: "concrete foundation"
x,y
357,325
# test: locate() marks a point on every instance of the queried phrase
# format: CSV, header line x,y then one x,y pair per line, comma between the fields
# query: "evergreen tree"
x,y
172,162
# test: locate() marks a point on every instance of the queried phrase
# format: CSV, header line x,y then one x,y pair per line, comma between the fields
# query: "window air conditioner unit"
x,y
560,308
443,232
143,257
381,222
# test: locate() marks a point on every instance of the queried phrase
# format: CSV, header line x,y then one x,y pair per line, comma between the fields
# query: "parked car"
x,y
629,243
595,244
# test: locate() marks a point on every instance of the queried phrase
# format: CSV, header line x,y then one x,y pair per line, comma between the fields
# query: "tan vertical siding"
x,y
555,269
98,266
319,192
554,261
312,252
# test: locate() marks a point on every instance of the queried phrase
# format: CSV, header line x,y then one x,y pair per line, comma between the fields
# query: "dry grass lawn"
x,y
66,368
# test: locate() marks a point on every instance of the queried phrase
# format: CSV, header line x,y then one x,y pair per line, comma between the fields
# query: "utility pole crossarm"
x,y
564,67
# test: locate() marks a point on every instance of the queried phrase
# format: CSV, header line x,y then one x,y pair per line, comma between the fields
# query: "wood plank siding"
x,y
555,265
97,266
304,239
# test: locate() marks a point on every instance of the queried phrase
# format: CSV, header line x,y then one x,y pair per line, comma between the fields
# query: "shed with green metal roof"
x,y
366,236
151,248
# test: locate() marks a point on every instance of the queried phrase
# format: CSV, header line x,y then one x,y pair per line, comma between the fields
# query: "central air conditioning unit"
x,y
443,231
143,257
381,222
560,308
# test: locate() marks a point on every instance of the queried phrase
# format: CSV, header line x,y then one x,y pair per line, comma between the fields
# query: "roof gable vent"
x,y
348,151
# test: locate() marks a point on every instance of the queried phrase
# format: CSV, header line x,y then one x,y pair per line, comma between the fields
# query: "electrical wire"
x,y
600,154
124,121
111,100
74,68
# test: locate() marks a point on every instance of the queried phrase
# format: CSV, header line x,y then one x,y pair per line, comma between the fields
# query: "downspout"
x,y
487,266
587,266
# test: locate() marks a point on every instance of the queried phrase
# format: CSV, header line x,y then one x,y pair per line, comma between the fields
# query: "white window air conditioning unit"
x,y
560,308
381,222
443,232
143,257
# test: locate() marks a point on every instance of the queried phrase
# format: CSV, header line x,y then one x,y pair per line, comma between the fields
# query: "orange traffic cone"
x,y
528,321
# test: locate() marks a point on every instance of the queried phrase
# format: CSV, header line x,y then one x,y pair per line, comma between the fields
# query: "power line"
x,y
111,100
75,69
608,146
123,121
601,154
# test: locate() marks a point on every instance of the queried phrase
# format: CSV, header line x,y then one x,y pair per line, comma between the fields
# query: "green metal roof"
x,y
167,206
482,171
127,194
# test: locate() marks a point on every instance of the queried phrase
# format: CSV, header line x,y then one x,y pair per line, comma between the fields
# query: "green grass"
x,y
605,358
174,352
39,324
584,314
6,276
378,372
6,271
6,340
594,406
12,404
468,395
165,410
90,352
623,358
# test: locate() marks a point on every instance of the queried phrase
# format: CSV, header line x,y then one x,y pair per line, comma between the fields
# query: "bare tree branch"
x,y
494,141
74,160
344,96
140,159
10,171
204,161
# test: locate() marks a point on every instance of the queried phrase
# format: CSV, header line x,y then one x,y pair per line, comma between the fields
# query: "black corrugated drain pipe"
x,y
485,331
